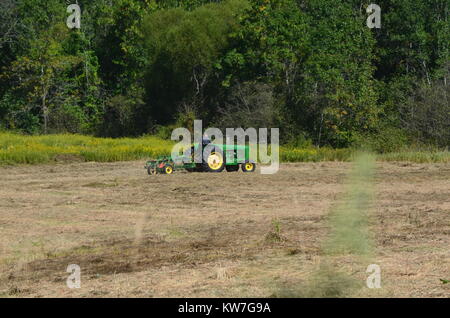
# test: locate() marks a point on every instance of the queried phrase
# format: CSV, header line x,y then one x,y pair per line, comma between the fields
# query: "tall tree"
x,y
38,74
184,48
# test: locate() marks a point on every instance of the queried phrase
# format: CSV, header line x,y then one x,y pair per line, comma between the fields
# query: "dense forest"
x,y
313,68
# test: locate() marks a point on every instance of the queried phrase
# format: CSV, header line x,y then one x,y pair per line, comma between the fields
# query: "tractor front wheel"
x,y
248,167
168,169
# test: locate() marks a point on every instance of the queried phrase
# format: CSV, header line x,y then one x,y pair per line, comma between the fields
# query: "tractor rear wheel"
x,y
248,167
214,162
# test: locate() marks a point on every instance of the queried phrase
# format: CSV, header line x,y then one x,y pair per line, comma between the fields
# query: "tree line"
x,y
310,67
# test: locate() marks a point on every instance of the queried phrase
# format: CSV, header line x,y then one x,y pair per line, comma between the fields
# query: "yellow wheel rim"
x,y
248,166
169,170
215,161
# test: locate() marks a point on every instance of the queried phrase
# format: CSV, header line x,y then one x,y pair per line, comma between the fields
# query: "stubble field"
x,y
215,235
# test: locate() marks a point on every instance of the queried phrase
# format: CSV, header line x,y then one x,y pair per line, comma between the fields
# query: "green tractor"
x,y
221,157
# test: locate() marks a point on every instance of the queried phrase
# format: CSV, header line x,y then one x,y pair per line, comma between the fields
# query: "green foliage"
x,y
413,64
15,114
411,41
164,132
311,68
425,114
54,78
119,118
385,139
270,44
249,104
337,95
121,53
319,60
183,48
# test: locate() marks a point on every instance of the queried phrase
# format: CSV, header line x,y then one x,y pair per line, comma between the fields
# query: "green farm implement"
x,y
222,156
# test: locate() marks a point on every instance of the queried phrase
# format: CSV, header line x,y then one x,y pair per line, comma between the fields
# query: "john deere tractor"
x,y
220,157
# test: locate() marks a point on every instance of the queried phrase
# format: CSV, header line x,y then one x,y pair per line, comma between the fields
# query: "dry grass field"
x,y
215,235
